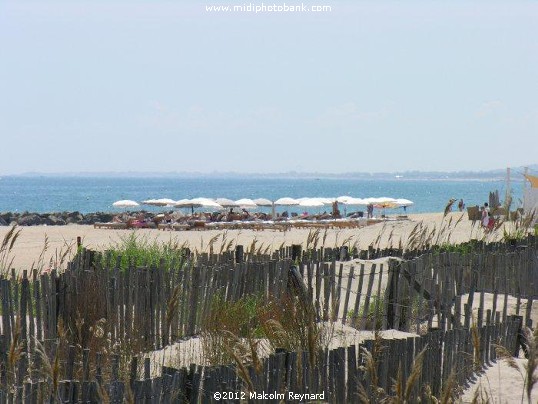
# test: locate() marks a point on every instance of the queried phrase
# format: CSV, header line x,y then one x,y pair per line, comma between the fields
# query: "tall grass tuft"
x,y
211,243
252,327
225,244
56,261
8,242
137,250
172,306
415,374
15,352
450,389
369,367
519,228
532,361
477,348
48,368
506,356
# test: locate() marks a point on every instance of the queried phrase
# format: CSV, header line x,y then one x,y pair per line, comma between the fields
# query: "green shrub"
x,y
136,250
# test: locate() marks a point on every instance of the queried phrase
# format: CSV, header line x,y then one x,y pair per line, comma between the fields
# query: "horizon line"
x,y
496,171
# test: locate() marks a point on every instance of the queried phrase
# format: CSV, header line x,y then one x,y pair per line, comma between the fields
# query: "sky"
x,y
163,86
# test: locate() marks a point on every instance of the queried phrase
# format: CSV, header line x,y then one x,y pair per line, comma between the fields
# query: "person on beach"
x,y
370,211
485,215
461,205
491,223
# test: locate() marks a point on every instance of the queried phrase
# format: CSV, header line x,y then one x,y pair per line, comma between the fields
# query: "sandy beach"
x,y
31,241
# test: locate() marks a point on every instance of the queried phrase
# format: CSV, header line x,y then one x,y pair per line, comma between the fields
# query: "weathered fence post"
x,y
239,254
296,251
521,340
344,253
391,295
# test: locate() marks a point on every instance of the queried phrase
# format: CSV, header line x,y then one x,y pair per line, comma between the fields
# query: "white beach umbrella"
x,y
207,203
246,203
167,201
404,202
197,203
286,201
125,203
326,201
263,202
355,201
387,202
382,203
152,202
343,199
225,202
159,202
311,203
187,203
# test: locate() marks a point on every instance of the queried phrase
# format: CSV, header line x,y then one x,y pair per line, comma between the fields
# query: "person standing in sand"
x,y
370,211
485,215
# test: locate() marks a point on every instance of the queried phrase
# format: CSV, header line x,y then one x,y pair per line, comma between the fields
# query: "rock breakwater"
x,y
57,218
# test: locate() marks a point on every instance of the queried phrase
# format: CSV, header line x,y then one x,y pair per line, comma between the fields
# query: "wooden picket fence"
x,y
133,300
446,286
430,291
335,376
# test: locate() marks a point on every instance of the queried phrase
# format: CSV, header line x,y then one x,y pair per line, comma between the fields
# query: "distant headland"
x,y
494,175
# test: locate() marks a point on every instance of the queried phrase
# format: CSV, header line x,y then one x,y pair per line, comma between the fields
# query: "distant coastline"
x,y
493,175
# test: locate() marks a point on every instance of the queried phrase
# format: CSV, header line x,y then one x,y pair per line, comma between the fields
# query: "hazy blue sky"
x,y
167,86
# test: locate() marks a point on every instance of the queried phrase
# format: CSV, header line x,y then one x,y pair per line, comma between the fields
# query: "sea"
x,y
46,194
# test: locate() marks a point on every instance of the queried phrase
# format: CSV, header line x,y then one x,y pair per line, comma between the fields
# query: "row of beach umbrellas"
x,y
246,203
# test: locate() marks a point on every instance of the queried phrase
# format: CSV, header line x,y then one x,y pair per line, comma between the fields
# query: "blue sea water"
x,y
93,194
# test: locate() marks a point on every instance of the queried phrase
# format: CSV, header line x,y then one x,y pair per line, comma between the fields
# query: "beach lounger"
x,y
110,225
180,226
474,213
198,225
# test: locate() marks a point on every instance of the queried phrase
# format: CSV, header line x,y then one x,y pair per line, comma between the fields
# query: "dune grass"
x,y
134,250
6,250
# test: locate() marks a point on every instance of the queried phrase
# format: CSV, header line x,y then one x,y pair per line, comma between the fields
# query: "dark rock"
x,y
56,221
103,217
74,219
61,218
6,217
30,219
45,220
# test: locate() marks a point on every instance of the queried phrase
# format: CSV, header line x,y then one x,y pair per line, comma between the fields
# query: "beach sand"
x,y
501,384
336,335
31,241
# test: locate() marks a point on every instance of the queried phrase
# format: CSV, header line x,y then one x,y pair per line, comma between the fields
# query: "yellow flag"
x,y
533,180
